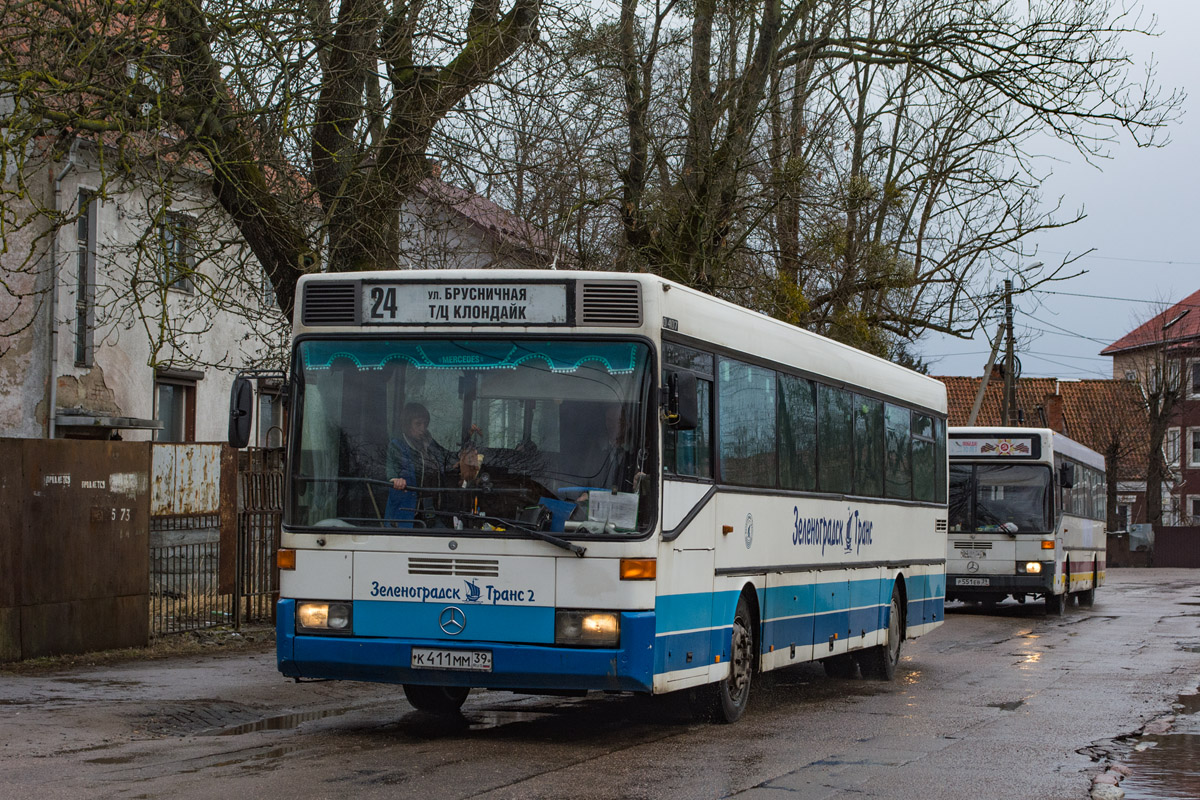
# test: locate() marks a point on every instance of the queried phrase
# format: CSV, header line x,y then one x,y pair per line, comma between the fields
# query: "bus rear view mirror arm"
x,y
682,410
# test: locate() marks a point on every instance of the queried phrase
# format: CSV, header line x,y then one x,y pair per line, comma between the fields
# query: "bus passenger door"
x,y
684,607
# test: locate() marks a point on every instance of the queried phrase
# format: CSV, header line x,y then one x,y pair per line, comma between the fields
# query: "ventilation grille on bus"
x,y
610,303
467,567
972,545
939,525
330,303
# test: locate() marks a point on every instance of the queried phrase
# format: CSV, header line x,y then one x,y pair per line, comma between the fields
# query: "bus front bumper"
x,y
628,668
966,585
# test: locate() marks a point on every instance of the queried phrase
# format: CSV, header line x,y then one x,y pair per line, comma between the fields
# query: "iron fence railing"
x,y
184,592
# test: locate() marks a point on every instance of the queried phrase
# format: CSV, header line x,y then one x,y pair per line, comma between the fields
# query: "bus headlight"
x,y
323,617
1030,568
587,628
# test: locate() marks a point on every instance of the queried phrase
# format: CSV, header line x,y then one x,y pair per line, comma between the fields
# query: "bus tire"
x,y
1056,604
880,662
732,695
1087,598
436,699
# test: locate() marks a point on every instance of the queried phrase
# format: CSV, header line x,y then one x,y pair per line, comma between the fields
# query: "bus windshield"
x,y
435,435
1014,498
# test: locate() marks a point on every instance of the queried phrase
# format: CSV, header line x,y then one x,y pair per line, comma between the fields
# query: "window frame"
x,y
177,254
87,231
187,381
1172,445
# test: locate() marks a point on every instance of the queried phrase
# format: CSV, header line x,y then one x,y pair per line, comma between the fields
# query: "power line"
x,y
1119,258
1106,297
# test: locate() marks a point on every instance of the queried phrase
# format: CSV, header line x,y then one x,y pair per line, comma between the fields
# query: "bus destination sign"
x,y
459,303
995,447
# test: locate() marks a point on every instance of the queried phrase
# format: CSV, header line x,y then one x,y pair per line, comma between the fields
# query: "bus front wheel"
x,y
880,662
733,693
1087,597
436,699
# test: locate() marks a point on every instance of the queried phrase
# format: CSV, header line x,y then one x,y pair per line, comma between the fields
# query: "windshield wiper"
x,y
534,533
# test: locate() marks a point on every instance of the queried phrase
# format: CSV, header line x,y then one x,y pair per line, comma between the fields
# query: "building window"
x,y
1194,379
1171,447
177,244
1193,447
85,278
175,404
1131,374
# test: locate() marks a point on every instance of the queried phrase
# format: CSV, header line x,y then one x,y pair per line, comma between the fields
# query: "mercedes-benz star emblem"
x,y
972,566
452,621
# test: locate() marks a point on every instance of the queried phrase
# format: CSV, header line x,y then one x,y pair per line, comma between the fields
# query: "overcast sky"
x,y
1141,224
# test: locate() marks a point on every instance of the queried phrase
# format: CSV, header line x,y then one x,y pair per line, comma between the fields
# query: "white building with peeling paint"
x,y
128,319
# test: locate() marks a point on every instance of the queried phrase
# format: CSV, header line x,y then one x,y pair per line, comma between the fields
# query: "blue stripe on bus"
x,y
683,632
526,624
801,614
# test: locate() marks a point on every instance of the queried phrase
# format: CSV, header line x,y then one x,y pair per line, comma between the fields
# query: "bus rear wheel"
x,y
880,662
733,693
436,699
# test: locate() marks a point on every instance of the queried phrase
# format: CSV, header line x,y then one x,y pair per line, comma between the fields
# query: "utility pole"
x,y
987,376
1007,410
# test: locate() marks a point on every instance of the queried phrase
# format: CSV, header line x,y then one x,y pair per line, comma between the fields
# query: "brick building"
x,y
1163,356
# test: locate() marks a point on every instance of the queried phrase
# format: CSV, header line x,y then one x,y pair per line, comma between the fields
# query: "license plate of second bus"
x,y
974,582
433,658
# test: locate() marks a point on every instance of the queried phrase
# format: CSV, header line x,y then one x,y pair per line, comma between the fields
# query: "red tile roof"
x,y
1102,414
1179,323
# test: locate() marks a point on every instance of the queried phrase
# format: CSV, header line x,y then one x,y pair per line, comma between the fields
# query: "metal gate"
x,y
214,531
259,514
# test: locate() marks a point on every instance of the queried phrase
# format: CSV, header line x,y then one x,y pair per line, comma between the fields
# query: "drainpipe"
x,y
52,368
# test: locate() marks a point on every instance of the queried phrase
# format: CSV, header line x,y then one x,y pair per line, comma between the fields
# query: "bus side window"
x,y
797,434
868,446
898,445
747,426
835,438
924,458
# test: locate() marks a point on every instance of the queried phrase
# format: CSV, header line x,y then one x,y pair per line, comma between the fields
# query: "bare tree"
x,y
307,122
862,168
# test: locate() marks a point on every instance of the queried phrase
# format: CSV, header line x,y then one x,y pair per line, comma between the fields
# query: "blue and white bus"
x,y
624,485
1027,517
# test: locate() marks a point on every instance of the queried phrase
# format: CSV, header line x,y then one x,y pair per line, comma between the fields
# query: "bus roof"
x,y
1052,441
680,312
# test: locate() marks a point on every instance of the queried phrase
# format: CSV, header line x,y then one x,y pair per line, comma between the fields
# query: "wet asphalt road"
x,y
1004,704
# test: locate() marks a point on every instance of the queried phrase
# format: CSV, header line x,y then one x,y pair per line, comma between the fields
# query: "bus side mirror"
x,y
683,412
1066,475
241,412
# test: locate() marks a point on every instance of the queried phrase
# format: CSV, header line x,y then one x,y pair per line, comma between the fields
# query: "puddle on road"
x,y
279,723
1013,706
1167,766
